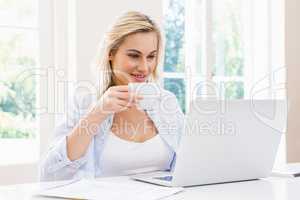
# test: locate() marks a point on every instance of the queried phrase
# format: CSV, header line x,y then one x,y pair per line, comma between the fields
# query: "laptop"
x,y
225,141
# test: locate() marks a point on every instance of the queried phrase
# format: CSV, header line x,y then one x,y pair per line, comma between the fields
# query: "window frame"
x,y
249,76
27,171
10,143
209,56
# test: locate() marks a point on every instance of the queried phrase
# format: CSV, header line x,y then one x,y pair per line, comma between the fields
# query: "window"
x,y
19,50
174,63
228,49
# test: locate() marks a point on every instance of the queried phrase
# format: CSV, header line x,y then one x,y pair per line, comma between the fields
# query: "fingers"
x,y
122,91
124,104
121,88
122,98
122,95
126,96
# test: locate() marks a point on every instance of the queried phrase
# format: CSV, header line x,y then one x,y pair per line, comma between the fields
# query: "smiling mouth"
x,y
139,77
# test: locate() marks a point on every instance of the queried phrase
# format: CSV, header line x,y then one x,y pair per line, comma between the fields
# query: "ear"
x,y
110,57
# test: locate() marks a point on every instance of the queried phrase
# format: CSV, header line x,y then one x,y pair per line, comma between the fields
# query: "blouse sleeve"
x,y
56,165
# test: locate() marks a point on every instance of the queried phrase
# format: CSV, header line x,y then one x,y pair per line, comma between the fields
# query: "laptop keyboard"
x,y
165,178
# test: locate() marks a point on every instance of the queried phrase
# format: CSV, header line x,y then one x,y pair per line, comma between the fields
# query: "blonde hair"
x,y
127,24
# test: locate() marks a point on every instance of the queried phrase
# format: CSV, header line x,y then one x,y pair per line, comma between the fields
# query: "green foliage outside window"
x,y
174,48
228,40
174,34
17,97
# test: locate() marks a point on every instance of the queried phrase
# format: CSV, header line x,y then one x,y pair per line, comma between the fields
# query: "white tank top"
x,y
122,157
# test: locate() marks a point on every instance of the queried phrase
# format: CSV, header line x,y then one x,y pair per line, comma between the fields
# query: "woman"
x,y
113,137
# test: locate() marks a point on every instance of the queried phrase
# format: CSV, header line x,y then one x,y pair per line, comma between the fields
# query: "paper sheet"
x,y
112,188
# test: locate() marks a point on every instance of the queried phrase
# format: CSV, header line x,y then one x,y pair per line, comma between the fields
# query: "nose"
x,y
143,66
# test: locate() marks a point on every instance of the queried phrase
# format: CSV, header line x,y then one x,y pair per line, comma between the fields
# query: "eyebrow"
x,y
137,51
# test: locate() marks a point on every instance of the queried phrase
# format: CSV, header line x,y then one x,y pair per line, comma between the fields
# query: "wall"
x,y
293,78
92,19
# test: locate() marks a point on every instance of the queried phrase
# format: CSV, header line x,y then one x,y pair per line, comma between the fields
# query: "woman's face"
x,y
136,58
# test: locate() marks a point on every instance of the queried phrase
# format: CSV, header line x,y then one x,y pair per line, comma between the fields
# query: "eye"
x,y
151,57
133,55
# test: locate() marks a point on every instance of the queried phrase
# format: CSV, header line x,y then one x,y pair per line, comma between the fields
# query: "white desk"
x,y
267,189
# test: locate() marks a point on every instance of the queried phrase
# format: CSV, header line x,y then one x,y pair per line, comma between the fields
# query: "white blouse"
x,y
55,165
122,157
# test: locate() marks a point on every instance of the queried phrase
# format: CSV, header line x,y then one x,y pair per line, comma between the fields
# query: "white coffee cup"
x,y
151,93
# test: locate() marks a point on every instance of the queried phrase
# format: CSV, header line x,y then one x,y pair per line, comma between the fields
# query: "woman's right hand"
x,y
116,99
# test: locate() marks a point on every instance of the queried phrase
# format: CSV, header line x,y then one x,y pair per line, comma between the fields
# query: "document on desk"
x,y
288,170
113,188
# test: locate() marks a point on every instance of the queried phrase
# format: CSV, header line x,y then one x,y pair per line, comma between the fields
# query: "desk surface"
x,y
266,189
